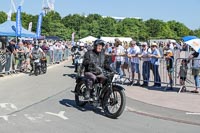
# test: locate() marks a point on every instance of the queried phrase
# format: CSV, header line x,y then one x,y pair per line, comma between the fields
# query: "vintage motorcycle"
x,y
39,66
108,95
78,64
36,66
43,62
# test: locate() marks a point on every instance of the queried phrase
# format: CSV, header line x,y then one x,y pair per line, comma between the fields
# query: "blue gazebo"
x,y
6,29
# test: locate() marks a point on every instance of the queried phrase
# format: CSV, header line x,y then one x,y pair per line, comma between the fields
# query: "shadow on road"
x,y
163,88
70,66
71,103
73,76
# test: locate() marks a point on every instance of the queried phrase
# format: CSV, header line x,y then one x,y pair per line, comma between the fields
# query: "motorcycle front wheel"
x,y
114,103
44,68
36,71
79,93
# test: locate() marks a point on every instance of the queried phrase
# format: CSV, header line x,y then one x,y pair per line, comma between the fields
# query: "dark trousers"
x,y
146,71
91,78
157,80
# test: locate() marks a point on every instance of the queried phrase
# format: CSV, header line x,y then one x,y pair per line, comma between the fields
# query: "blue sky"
x,y
184,11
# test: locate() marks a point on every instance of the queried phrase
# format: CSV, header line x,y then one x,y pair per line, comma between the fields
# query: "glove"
x,y
98,70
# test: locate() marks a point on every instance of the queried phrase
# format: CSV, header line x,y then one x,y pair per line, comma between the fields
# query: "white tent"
x,y
112,39
88,39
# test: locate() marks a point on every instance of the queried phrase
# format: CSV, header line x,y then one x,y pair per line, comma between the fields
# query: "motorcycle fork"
x,y
111,89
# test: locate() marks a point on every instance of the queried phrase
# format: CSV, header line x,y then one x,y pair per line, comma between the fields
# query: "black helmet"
x,y
99,41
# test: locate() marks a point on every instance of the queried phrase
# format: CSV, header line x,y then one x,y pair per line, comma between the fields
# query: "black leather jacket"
x,y
95,62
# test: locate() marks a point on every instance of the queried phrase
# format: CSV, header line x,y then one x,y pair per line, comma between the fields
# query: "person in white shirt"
x,y
51,53
155,62
119,56
133,54
56,52
146,63
195,57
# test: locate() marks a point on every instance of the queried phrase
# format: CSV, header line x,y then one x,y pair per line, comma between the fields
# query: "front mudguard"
x,y
107,90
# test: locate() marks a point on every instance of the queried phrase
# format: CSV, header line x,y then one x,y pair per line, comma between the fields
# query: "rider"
x,y
80,54
94,61
35,53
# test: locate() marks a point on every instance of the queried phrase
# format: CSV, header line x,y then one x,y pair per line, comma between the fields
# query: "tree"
x,y
158,29
3,17
74,22
107,26
197,32
178,28
58,29
96,25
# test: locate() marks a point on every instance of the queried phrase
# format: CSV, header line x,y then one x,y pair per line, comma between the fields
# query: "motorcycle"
x,y
36,67
78,64
43,62
80,69
108,95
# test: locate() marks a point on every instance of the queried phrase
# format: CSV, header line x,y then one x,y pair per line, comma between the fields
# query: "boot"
x,y
76,68
87,94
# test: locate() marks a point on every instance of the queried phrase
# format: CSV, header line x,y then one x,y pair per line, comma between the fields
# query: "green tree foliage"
x,y
158,29
197,32
96,25
178,28
3,17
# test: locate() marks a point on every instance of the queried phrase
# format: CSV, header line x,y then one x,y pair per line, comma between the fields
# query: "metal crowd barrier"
x,y
190,82
163,72
8,67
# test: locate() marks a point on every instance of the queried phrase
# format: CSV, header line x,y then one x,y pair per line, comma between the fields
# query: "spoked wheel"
x,y
114,103
44,68
79,96
36,71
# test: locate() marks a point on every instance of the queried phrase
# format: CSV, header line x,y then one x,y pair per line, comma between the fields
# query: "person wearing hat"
x,y
146,63
119,56
155,62
79,54
168,54
35,53
94,61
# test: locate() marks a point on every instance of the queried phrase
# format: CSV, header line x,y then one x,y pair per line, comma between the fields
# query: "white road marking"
x,y
192,113
8,106
5,117
34,118
60,114
129,109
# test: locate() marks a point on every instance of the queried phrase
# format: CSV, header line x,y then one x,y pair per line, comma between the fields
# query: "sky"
x,y
184,11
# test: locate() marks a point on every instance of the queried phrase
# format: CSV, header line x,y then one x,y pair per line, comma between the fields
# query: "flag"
x,y
18,22
30,26
73,35
39,24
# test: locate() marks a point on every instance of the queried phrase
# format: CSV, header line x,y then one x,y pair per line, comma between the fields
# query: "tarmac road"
x,y
45,104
